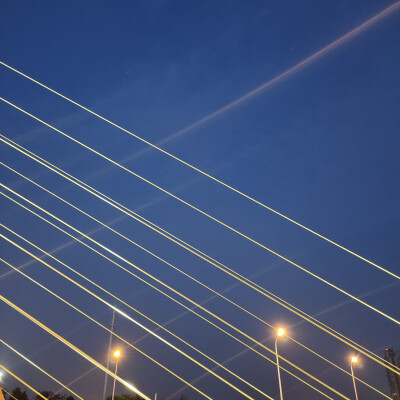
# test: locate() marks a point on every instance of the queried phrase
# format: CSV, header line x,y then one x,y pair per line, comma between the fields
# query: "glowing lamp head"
x,y
280,332
117,353
354,360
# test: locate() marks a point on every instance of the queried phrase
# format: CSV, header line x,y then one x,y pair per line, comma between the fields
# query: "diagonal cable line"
x,y
201,255
268,84
290,373
170,297
95,321
37,366
162,327
21,380
11,396
125,315
313,266
120,312
72,347
257,243
198,253
162,283
127,305
180,294
189,276
232,336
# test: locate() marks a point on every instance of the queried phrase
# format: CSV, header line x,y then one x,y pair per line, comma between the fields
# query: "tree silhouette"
x,y
18,394
126,397
136,397
51,396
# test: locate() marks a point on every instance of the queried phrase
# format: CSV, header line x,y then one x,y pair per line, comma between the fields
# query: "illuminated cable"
x,y
197,252
154,278
216,326
207,215
200,254
127,305
120,312
22,381
187,275
5,391
269,83
90,318
35,365
73,347
243,343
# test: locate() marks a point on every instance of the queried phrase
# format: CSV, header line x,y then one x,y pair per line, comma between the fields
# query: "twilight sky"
x,y
321,145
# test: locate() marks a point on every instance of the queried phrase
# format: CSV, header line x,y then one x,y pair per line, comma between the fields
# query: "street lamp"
x,y
116,354
279,333
354,360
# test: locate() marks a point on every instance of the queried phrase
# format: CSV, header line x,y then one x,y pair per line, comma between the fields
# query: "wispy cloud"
x,y
292,70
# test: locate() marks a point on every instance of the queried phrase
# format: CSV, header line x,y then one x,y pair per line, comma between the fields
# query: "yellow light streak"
x,y
73,347
129,318
162,327
37,366
5,391
184,273
117,353
237,191
127,305
187,275
206,214
90,318
22,381
129,344
162,283
201,255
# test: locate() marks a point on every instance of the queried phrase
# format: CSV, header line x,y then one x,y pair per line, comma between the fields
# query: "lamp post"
x,y
354,360
280,332
116,355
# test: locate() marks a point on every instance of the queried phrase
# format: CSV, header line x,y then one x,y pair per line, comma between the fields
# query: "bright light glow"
x,y
280,332
117,353
354,360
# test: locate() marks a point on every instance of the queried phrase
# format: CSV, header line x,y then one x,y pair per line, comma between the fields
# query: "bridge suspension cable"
x,y
170,297
226,185
187,275
199,254
250,239
35,365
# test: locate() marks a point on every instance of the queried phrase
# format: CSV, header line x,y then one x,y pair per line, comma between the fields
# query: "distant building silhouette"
x,y
394,382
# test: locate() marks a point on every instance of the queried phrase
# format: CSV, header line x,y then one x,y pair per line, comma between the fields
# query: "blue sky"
x,y
320,146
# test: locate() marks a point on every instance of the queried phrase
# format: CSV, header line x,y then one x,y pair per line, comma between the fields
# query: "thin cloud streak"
x,y
356,31
271,82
